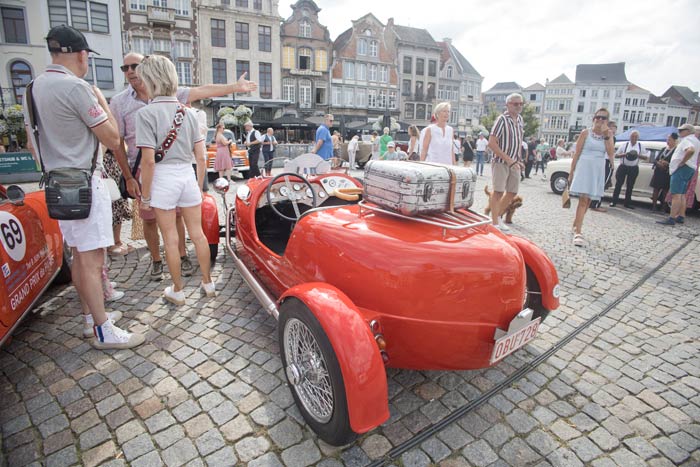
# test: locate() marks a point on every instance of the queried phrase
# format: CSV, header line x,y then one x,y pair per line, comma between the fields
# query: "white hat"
x,y
390,144
249,122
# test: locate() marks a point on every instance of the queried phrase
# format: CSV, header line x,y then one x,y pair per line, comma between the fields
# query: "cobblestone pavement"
x,y
208,387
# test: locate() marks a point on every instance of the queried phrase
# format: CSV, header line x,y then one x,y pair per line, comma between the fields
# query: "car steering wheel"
x,y
292,196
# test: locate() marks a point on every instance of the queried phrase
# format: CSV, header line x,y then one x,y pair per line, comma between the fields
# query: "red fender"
x,y
357,352
210,219
544,271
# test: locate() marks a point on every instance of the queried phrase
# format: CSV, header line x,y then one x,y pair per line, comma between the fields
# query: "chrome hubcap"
x,y
307,372
561,183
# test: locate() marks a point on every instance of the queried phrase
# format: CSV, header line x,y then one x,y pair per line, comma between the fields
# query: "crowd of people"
x,y
157,143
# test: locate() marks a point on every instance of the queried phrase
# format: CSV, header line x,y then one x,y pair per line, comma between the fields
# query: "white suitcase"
x,y
413,188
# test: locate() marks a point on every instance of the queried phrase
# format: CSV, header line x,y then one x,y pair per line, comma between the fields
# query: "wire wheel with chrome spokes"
x,y
313,373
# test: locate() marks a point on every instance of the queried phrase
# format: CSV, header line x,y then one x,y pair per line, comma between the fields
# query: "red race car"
x,y
32,255
358,288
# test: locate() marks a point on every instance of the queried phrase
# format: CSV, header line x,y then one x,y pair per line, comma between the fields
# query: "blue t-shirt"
x,y
326,150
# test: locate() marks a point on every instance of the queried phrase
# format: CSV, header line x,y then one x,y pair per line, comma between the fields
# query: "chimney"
x,y
390,22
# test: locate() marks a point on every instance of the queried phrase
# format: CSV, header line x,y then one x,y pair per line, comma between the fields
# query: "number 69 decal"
x,y
12,236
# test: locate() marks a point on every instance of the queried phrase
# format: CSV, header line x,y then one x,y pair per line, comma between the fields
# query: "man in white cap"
x,y
253,142
75,119
682,168
390,154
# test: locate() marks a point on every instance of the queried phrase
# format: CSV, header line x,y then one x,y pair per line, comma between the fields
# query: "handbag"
x,y
565,199
68,191
122,180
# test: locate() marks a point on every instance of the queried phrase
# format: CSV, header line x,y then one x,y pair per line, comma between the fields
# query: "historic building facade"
x,y
459,84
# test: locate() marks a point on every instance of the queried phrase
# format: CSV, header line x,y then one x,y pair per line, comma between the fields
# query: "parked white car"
x,y
559,171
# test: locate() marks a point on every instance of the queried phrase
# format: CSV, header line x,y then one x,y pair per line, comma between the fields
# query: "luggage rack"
x,y
456,220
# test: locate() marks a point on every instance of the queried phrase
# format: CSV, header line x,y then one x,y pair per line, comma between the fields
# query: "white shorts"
x,y
174,185
96,231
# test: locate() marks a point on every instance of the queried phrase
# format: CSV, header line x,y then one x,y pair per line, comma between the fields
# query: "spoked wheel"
x,y
314,374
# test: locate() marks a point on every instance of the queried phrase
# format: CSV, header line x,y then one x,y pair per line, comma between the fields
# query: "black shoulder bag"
x,y
68,191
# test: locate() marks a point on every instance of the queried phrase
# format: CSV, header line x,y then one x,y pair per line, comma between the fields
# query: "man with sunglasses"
x,y
124,107
324,141
506,142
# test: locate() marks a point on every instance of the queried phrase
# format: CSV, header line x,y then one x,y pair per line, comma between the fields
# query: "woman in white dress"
x,y
587,177
437,144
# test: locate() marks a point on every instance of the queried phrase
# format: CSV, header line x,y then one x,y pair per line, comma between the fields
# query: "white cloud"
x,y
529,41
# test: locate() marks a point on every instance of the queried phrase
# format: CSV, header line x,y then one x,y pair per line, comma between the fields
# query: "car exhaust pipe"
x,y
267,301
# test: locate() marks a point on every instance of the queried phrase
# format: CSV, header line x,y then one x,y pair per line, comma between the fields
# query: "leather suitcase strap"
x,y
453,182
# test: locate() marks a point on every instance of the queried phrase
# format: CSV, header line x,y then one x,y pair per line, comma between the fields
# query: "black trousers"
x,y
528,168
608,183
625,172
254,160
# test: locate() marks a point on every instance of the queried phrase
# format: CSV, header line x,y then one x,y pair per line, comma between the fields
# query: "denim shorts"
x,y
680,180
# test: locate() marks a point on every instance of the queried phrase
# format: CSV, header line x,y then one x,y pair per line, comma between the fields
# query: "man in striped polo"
x,y
505,141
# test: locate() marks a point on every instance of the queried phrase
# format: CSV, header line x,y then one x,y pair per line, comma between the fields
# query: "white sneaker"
x,y
108,336
116,295
502,227
88,331
176,298
209,289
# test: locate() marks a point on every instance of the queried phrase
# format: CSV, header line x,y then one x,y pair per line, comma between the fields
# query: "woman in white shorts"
x,y
171,183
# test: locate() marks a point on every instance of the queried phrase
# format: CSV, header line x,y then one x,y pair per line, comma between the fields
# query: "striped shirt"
x,y
509,134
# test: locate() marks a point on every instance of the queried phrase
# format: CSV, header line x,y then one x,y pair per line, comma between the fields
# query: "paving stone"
x,y
100,454
186,410
641,447
159,421
585,449
110,404
179,453
436,449
671,450
137,447
151,459
94,436
63,458
521,422
24,455
267,415
498,434
210,442
267,460
517,452
354,457
251,447
617,428
285,434
624,457
415,458
455,437
563,456
53,425
169,437
479,453
129,431
210,401
54,442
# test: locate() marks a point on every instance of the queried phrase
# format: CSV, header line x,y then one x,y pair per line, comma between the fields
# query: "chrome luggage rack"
x,y
457,220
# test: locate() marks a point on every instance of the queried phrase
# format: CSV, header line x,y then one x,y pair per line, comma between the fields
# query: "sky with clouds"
x,y
529,41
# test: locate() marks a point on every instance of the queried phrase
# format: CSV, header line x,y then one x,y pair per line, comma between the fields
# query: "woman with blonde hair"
x,y
413,143
223,163
437,142
587,177
167,134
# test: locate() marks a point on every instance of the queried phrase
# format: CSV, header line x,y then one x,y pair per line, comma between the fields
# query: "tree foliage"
x,y
530,119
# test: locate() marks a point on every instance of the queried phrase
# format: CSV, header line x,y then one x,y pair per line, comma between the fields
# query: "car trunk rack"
x,y
458,219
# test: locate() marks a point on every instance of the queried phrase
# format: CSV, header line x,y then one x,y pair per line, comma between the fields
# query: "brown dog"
x,y
510,210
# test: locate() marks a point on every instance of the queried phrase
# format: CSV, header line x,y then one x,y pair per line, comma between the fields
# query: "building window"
x,y
362,47
141,45
392,99
582,93
218,70
287,57
218,33
79,15
420,66
137,5
183,49
348,70
305,94
449,71
594,93
349,97
257,4
361,71
372,98
419,90
304,58
361,98
628,101
382,100
321,60
580,108
100,73
408,65
337,95
288,88
58,11
625,115
420,112
616,108
373,48
634,102
533,97
265,38
320,93
373,72
265,80
13,25
408,111
305,29
242,3
431,91
383,73
242,35
406,87
242,66
182,7
21,75
618,94
184,72
432,68
97,20
633,116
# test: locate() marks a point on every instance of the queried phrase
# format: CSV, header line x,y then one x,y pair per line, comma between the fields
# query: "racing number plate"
x,y
509,343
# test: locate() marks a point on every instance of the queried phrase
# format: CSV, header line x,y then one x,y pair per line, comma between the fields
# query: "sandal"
x,y
120,249
578,240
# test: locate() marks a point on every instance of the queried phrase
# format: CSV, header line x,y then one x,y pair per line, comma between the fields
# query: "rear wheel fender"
x,y
364,375
541,266
210,219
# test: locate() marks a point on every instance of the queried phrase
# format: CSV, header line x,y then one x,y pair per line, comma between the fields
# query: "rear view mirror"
x,y
15,194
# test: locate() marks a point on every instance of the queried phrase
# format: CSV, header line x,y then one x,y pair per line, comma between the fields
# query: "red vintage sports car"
x,y
32,255
357,288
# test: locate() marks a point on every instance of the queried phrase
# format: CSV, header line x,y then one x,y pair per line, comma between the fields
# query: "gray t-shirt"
x,y
67,109
153,123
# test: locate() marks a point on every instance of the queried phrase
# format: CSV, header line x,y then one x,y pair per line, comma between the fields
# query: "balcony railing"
x,y
158,15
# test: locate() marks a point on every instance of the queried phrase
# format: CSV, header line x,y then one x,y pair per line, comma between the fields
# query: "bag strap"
x,y
171,137
34,123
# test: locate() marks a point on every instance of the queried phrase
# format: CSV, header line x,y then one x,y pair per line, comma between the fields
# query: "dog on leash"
x,y
516,202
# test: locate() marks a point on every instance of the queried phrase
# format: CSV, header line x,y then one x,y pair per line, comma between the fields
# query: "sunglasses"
x,y
125,68
600,117
517,104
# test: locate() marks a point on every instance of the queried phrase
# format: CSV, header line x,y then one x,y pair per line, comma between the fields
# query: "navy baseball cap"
x,y
65,39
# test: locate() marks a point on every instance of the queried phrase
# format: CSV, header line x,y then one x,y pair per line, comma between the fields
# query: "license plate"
x,y
509,343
